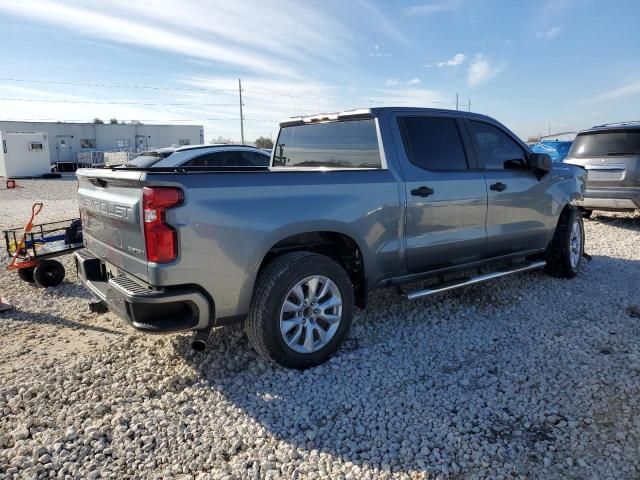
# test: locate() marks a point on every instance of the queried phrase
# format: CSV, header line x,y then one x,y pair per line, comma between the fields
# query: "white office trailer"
x,y
24,154
66,140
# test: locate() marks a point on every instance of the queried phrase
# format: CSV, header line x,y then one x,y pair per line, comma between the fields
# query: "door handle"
x,y
498,187
422,191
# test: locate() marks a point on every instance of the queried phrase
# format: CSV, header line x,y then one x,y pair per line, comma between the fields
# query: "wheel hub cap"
x,y
575,243
311,314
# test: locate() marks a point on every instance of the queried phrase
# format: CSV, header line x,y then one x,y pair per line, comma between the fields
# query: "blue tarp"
x,y
556,149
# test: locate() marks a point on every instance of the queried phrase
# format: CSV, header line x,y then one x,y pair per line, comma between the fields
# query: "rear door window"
x,y
496,149
433,143
602,144
336,145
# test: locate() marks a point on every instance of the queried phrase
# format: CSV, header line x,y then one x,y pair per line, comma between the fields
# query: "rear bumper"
x,y
611,198
143,307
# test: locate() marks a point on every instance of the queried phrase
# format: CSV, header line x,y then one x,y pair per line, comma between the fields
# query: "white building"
x,y
66,140
24,154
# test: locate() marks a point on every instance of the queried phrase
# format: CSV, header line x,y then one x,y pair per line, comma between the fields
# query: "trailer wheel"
x,y
26,274
48,273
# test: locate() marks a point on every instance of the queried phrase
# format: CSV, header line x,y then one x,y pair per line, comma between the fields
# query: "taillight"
x,y
161,239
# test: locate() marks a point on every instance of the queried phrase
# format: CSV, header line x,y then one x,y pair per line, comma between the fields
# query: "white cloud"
x,y
391,82
549,34
430,8
372,15
414,81
457,59
415,97
625,91
239,35
481,70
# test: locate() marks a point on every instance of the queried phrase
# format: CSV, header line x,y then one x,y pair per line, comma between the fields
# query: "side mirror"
x,y
540,163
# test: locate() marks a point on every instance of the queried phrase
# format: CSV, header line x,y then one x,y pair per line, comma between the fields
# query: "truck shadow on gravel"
x,y
54,320
437,386
626,222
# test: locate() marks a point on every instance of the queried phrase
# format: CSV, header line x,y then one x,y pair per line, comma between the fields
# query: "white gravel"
x,y
528,376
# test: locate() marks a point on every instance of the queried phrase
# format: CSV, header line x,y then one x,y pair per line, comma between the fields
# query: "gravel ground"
x,y
525,377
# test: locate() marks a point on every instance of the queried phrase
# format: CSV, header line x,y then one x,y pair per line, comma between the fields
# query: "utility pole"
x,y
241,118
456,100
469,104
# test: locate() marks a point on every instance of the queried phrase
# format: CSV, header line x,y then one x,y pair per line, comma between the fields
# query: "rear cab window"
x,y
345,144
606,143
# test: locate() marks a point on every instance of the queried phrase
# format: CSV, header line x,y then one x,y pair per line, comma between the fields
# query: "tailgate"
x,y
110,207
612,171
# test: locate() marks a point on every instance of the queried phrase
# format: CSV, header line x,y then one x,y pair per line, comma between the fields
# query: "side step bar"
x,y
444,287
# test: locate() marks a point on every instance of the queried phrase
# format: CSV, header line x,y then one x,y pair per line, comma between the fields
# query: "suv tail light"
x,y
161,239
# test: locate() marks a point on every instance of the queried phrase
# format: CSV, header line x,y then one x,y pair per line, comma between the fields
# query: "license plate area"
x,y
609,175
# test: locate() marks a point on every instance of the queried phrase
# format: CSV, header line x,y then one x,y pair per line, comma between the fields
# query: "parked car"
x,y
352,202
611,156
216,155
556,149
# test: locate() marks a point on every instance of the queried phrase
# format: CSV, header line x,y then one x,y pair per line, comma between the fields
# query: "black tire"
x,y
26,274
559,254
49,273
586,213
271,291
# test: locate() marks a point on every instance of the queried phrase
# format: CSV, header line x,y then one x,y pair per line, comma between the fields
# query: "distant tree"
x,y
221,139
97,121
135,122
113,121
264,142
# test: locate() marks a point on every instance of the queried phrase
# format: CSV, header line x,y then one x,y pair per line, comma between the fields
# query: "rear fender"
x,y
246,291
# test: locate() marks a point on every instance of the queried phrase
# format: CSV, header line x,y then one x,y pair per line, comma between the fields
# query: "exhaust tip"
x,y
199,345
200,340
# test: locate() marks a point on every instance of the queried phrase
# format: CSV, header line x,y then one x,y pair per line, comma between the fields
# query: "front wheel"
x,y
565,253
301,310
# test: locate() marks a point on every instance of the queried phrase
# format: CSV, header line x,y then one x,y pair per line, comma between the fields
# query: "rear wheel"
x,y
586,213
301,310
49,273
26,274
564,256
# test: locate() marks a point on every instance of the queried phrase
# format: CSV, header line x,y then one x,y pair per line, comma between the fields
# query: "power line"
x,y
120,102
206,89
241,121
108,85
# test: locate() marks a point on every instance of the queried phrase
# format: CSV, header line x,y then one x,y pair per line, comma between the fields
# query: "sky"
x,y
533,65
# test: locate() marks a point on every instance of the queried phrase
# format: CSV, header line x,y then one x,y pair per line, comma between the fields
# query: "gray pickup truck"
x,y
352,202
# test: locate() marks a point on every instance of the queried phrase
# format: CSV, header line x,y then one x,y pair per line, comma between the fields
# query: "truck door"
x,y
446,194
519,205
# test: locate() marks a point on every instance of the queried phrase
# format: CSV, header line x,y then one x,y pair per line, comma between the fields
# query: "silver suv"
x,y
611,156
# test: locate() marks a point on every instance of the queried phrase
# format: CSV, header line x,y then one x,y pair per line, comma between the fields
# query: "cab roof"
x,y
373,112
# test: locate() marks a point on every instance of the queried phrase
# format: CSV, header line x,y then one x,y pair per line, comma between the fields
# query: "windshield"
x,y
600,144
147,159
